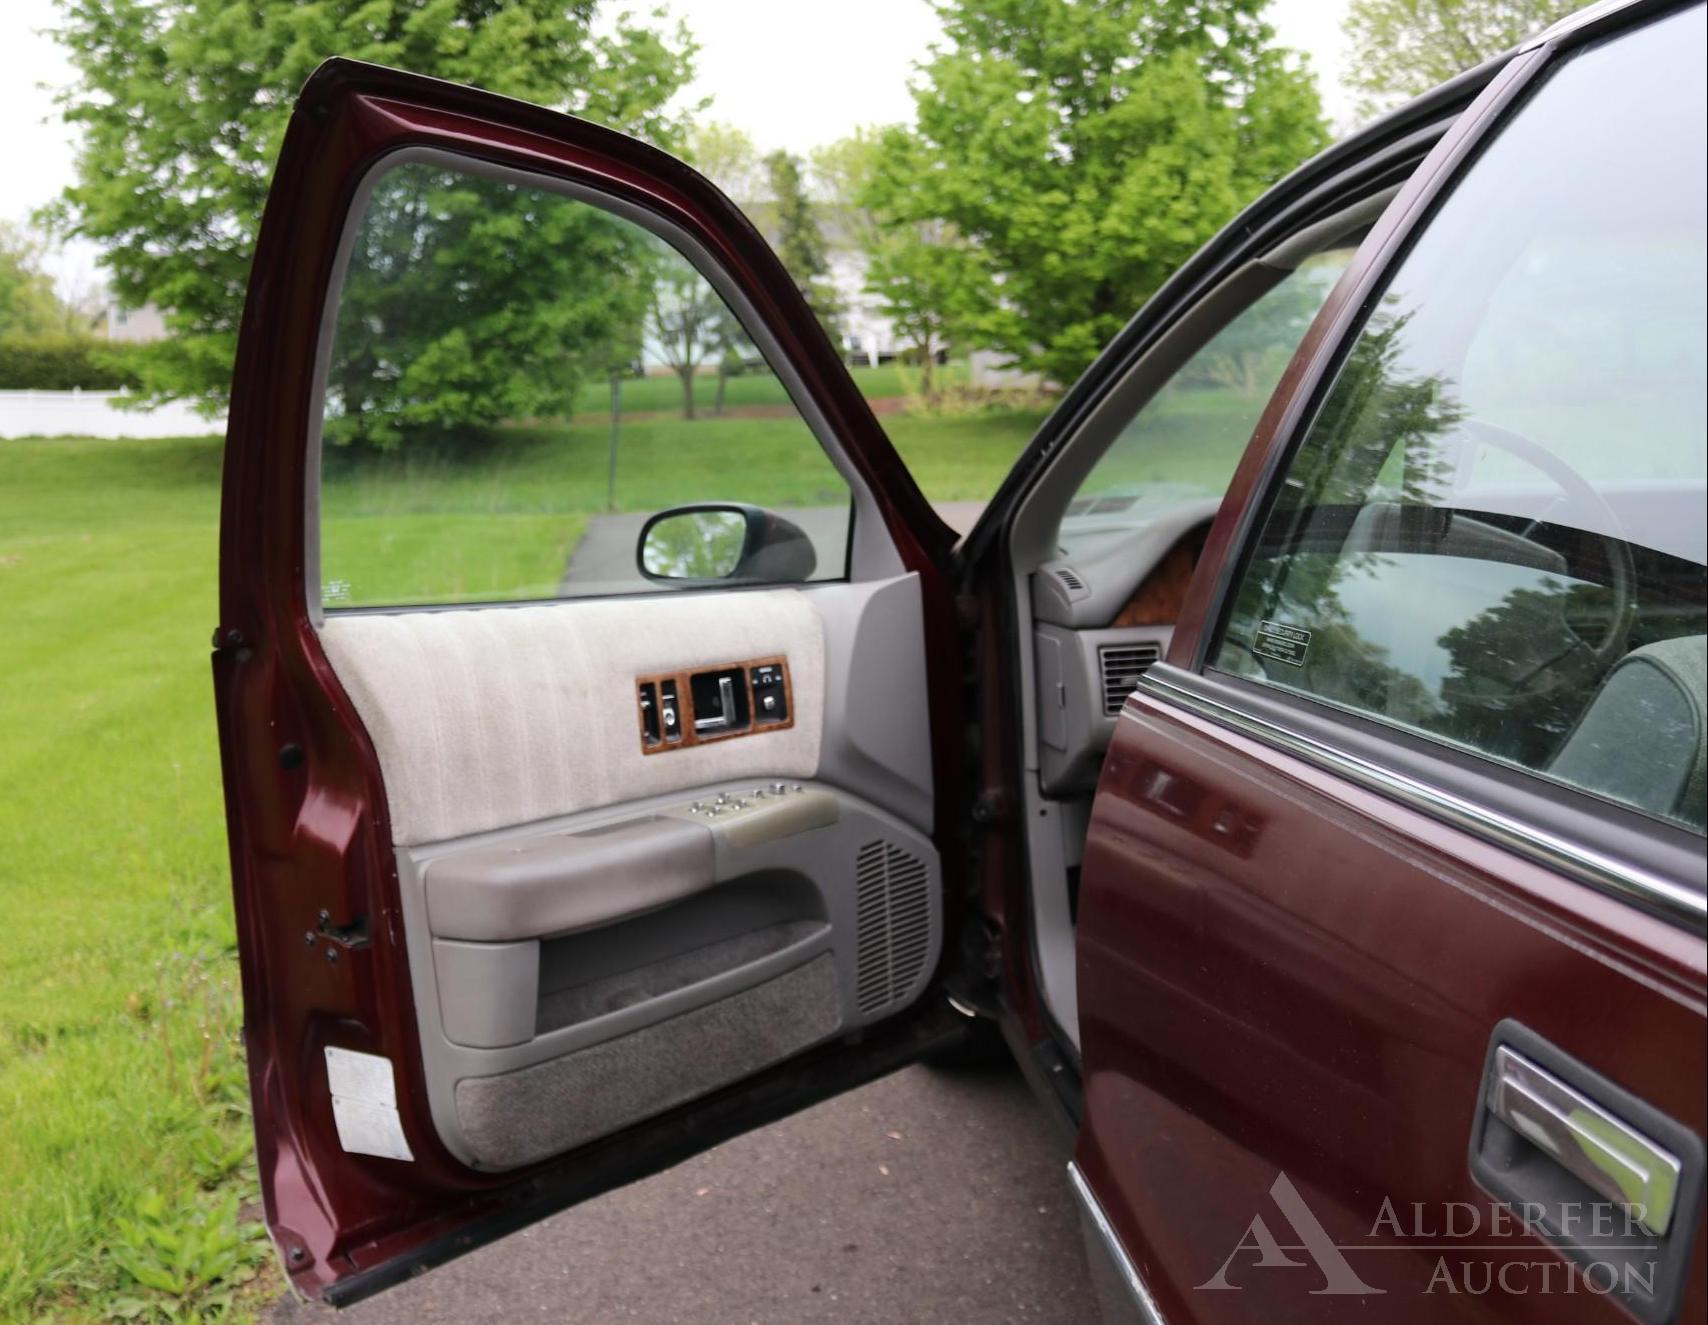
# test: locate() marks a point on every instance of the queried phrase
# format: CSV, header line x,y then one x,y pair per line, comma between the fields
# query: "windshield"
x,y
1184,443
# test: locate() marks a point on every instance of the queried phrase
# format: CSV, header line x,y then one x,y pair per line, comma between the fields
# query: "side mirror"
x,y
724,543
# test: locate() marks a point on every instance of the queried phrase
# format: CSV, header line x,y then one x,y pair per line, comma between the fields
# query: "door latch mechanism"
x,y
349,937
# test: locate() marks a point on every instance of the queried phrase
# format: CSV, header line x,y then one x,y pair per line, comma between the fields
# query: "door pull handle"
x,y
1599,1150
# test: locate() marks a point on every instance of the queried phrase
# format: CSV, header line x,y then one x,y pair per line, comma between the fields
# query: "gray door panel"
x,y
685,918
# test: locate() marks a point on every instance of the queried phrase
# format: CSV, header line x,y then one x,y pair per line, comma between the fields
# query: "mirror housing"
x,y
723,543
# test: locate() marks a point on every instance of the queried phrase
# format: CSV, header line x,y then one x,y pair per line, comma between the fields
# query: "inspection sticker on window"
x,y
1283,643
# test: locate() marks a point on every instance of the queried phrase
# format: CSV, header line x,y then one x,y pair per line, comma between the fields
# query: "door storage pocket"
x,y
522,1116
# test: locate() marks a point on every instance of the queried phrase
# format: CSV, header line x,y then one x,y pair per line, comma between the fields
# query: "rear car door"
x,y
587,779
1391,968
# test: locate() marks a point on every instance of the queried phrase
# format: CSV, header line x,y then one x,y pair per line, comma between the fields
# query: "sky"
x,y
858,60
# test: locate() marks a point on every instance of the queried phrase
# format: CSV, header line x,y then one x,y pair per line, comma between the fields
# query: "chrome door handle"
x,y
725,716
1611,1158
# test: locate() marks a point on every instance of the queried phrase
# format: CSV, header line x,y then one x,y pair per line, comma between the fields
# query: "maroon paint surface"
x,y
316,836
1282,973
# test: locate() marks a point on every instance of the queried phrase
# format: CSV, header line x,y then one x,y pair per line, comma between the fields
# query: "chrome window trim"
x,y
1618,878
1143,1303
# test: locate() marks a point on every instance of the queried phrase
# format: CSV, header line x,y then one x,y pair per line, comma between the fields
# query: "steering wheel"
x,y
1592,515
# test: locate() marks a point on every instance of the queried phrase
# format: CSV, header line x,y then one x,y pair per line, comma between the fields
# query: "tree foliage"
x,y
1402,48
1082,152
928,281
798,238
728,157
687,321
28,304
469,301
183,105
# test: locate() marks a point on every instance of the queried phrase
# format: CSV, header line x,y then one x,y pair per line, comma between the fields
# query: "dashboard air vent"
x,y
1122,665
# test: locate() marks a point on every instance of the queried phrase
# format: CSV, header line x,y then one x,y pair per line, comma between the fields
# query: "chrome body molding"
x,y
1672,901
1143,1304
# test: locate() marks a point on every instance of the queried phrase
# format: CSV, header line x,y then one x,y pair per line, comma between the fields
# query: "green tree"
x,y
469,301
734,350
799,241
28,304
183,104
726,155
1402,48
841,174
1085,151
929,282
686,319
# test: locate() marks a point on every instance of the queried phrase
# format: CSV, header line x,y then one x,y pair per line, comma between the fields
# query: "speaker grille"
x,y
892,912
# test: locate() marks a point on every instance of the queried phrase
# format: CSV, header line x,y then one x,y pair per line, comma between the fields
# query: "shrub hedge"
x,y
61,363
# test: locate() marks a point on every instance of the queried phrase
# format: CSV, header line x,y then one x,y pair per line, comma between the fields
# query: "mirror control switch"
x,y
770,694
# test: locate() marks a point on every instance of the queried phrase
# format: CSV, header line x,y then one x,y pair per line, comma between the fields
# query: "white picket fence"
x,y
94,414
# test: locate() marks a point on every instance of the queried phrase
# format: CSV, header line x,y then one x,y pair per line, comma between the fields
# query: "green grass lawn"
x,y
124,1132
119,1072
502,521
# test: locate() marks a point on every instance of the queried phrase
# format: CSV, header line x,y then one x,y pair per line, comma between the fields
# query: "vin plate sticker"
x,y
1283,643
364,1104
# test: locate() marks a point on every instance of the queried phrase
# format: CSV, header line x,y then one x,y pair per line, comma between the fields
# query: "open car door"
x,y
562,846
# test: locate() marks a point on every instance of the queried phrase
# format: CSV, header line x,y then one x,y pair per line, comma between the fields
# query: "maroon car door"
x,y
1391,958
547,877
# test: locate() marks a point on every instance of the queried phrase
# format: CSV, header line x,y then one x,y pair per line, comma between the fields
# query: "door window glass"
x,y
1493,532
517,380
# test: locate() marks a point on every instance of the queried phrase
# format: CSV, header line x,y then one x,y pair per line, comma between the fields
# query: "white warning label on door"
x,y
364,1104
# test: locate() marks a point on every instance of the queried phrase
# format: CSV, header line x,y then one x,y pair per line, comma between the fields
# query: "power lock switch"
x,y
770,695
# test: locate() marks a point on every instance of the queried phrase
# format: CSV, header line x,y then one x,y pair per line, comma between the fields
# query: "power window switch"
x,y
670,713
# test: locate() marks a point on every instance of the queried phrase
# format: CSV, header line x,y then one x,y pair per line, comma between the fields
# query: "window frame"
x,y
869,553
1622,851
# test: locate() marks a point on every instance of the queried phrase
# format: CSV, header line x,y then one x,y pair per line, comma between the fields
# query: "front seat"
x,y
1644,738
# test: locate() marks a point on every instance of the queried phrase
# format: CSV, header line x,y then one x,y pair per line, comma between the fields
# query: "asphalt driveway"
x,y
922,1197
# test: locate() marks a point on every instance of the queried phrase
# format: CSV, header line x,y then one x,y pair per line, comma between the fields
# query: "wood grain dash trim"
x,y
1160,600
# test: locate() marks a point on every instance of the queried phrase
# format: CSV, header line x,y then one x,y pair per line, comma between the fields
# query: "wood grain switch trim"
x,y
682,681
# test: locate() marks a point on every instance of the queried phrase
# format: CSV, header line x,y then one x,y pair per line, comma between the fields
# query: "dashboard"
x,y
1103,611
